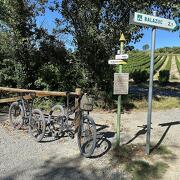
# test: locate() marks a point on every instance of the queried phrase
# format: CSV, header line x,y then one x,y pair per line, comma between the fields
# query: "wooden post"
x,y
37,92
77,103
78,91
13,99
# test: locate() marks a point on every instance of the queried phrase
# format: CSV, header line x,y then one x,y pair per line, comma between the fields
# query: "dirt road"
x,y
23,158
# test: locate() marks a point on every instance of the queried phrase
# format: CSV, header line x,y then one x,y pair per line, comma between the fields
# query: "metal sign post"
x,y
122,40
121,82
152,21
150,95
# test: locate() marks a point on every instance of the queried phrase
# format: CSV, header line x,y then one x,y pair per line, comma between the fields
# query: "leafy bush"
x,y
164,76
140,76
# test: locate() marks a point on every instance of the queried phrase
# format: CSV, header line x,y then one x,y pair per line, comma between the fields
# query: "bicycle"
x,y
82,123
21,113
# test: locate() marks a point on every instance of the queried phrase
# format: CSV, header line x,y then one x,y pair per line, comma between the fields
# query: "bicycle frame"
x,y
27,111
65,115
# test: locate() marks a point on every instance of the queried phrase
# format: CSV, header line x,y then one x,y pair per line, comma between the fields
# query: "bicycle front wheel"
x,y
87,136
37,125
16,115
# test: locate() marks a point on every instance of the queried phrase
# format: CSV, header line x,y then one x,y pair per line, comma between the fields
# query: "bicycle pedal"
x,y
56,135
71,135
50,134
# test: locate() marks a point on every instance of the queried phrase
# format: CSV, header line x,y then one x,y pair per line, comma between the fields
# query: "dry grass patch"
x,y
158,103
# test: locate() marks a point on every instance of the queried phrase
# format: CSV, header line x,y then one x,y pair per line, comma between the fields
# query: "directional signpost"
x,y
154,22
121,56
121,81
114,61
151,20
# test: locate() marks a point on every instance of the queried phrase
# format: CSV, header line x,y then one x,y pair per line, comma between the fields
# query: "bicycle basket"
x,y
86,103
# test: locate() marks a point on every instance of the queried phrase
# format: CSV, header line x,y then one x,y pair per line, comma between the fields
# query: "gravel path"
x,y
23,158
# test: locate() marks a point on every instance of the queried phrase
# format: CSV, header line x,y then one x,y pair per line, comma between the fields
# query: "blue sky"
x,y
163,38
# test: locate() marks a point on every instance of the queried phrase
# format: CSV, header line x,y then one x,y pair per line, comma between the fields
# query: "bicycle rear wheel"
x,y
37,125
87,136
16,115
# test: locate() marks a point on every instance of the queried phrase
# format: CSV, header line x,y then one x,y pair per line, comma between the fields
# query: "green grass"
x,y
144,170
138,164
177,63
162,150
46,103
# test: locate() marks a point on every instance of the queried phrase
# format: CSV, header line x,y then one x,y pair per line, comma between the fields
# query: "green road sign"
x,y
150,20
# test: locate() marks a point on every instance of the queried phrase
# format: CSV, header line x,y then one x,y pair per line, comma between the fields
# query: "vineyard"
x,y
178,63
138,67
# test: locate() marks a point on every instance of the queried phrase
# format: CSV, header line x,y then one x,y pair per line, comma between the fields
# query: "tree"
x,y
18,18
96,26
29,56
145,47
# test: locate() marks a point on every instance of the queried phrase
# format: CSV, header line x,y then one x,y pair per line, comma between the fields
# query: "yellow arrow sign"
x,y
123,62
122,38
116,62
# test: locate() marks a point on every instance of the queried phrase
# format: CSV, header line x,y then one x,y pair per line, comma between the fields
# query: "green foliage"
x,y
143,170
45,103
164,74
173,50
145,47
137,164
159,63
140,76
163,150
96,26
139,64
30,57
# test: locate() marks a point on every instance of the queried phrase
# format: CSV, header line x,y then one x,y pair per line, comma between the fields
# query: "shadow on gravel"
x,y
139,133
67,169
3,116
103,145
101,127
171,89
140,165
165,133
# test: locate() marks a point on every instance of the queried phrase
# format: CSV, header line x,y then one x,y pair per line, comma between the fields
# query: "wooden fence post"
x,y
77,103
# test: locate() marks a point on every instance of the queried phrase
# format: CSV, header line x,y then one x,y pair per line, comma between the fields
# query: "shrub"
x,y
140,76
164,76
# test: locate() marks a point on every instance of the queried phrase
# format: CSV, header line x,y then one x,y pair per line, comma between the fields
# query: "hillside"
x,y
165,65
